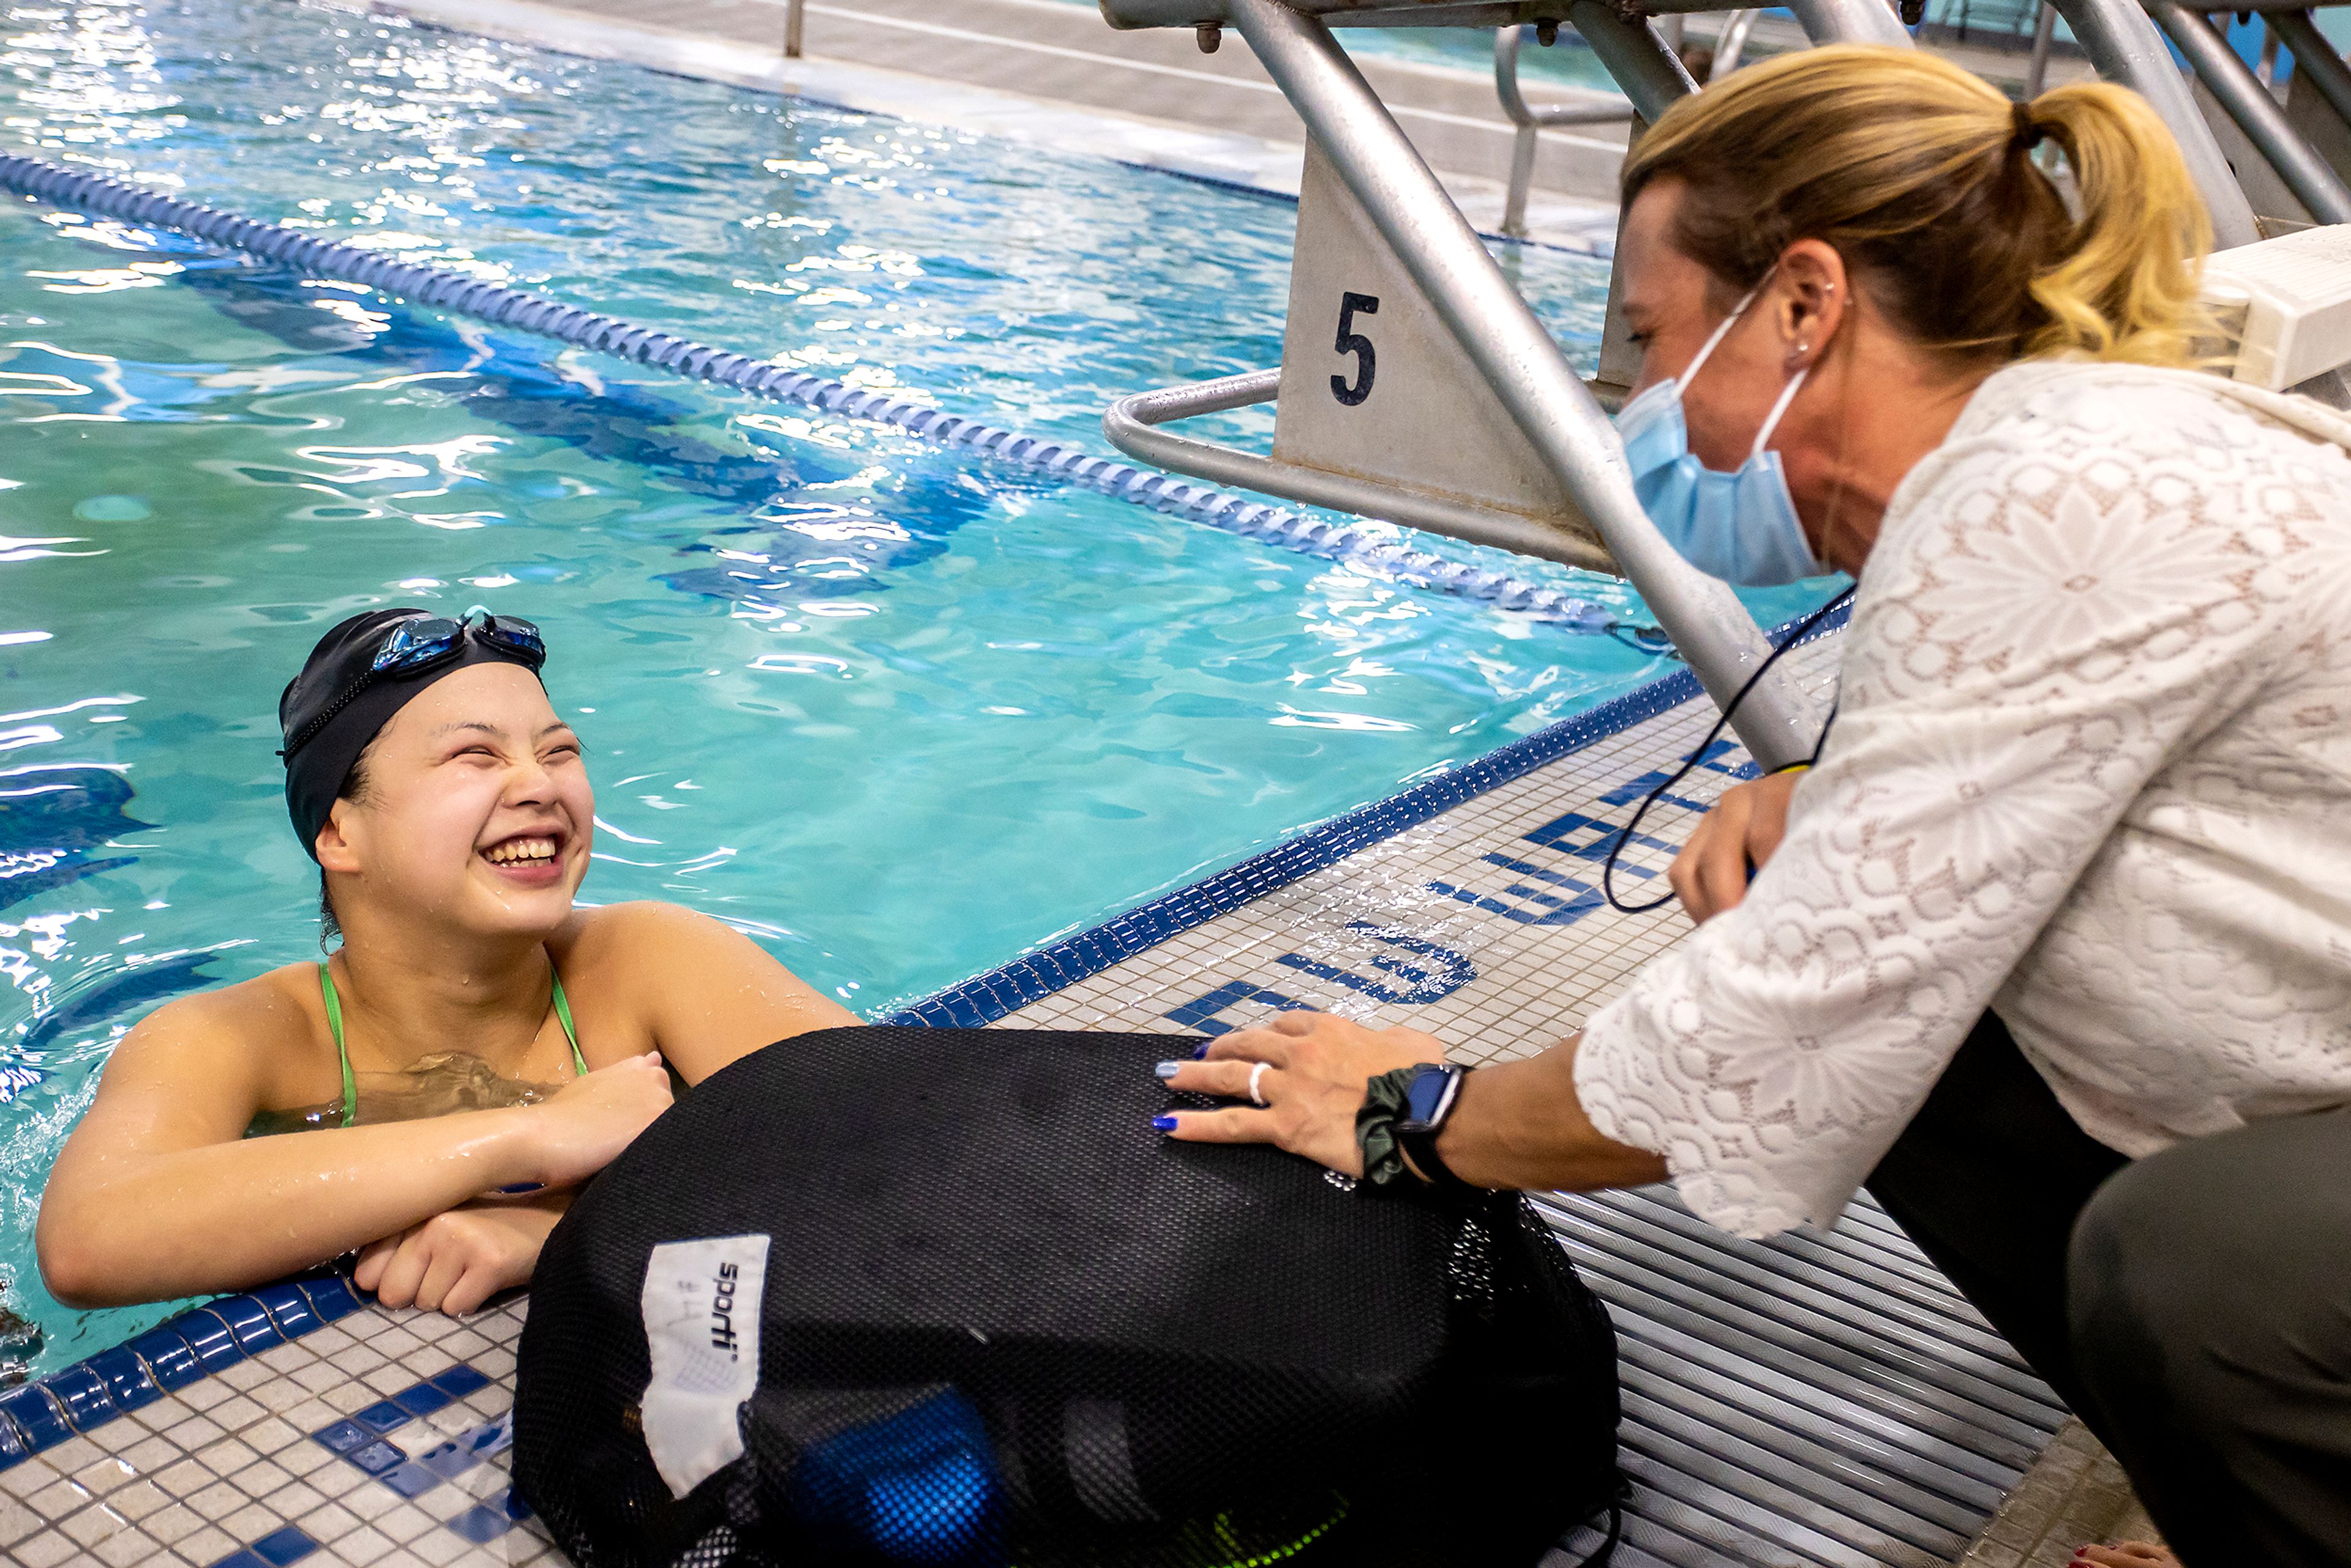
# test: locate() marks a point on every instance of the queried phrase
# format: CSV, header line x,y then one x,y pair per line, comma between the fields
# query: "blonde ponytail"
x,y
1921,175
2124,286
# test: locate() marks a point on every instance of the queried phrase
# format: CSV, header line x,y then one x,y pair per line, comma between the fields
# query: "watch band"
x,y
1433,1091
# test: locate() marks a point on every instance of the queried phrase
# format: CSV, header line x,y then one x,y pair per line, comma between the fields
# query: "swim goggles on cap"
x,y
423,643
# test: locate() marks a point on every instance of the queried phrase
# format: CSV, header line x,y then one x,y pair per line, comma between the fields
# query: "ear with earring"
x,y
1804,350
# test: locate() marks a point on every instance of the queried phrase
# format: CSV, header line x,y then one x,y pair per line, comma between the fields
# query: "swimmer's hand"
x,y
578,1130
1731,842
455,1261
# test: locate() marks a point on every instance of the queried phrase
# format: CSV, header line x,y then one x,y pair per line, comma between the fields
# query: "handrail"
x,y
2314,57
1731,42
1521,112
2045,34
2312,180
795,25
2124,47
1132,424
1529,119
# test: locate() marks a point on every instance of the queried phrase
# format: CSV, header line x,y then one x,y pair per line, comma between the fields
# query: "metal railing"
x,y
2045,34
2123,46
1134,426
795,26
2256,111
1529,118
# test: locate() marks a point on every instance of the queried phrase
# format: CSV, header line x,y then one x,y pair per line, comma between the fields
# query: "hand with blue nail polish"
x,y
1300,1081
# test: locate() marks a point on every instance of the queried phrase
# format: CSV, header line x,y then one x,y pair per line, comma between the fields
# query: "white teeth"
x,y
517,851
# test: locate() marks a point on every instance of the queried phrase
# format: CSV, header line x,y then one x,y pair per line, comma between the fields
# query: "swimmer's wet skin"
x,y
449,812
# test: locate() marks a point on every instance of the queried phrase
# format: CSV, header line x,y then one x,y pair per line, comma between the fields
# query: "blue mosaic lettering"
x,y
1553,911
1454,969
1201,1012
1712,760
1555,834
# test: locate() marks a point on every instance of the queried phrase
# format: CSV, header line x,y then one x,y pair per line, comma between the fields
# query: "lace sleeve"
x,y
2043,623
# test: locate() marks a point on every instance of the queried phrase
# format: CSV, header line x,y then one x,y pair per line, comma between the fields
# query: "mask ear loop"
x,y
1771,419
1706,350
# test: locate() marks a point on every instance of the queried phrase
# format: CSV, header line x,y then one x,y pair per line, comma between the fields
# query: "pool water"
x,y
898,712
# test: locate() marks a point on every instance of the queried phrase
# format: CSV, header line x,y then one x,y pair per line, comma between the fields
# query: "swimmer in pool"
x,y
474,1051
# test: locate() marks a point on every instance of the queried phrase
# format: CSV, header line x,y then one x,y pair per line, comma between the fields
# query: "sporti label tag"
x,y
702,1324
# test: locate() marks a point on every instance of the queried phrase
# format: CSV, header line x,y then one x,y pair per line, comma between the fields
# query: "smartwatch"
x,y
1429,1098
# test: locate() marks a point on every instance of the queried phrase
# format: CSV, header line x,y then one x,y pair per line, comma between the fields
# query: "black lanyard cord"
x,y
1608,870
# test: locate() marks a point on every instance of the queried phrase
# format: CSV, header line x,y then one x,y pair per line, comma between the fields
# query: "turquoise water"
x,y
898,712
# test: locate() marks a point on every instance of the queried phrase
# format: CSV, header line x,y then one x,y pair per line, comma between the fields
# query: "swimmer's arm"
x,y
711,995
157,1194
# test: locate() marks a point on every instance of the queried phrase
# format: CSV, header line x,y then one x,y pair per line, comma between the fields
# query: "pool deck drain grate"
x,y
1813,1401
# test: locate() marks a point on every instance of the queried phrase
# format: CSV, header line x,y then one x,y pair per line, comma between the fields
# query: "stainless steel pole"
x,y
2126,48
2314,53
1649,73
1523,179
2044,32
1524,367
2312,180
795,22
1851,22
1730,44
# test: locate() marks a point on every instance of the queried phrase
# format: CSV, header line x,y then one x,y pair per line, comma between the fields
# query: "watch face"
x,y
1426,1093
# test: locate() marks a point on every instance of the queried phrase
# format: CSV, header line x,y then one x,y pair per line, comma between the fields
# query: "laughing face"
x,y
476,811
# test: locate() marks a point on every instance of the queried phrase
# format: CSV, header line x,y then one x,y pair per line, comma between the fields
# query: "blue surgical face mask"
x,y
1740,527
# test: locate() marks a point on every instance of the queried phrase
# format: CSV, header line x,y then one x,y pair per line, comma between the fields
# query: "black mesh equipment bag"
x,y
979,1314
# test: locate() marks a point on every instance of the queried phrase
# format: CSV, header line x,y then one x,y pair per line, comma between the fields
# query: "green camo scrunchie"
x,y
1375,1129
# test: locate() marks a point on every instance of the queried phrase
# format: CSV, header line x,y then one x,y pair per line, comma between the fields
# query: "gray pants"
x,y
2193,1307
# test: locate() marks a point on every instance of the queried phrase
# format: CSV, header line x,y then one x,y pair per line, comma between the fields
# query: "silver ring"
x,y
1256,1075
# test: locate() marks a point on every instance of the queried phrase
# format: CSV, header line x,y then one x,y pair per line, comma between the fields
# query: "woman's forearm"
x,y
150,1227
1521,1124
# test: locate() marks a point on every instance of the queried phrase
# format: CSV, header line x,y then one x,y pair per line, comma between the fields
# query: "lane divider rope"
x,y
449,289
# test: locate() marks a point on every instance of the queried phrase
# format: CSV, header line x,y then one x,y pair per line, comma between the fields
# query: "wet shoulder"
x,y
626,934
266,1008
615,961
270,1030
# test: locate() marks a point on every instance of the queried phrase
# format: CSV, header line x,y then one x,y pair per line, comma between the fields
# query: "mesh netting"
x,y
1005,1322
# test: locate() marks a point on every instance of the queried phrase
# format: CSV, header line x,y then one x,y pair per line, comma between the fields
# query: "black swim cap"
x,y
339,703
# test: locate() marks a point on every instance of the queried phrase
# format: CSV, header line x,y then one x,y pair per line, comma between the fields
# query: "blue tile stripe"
x,y
280,1547
1005,990
91,1392
362,1440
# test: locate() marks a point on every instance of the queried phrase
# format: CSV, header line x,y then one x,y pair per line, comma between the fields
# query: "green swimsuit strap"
x,y
335,1028
350,1086
563,1016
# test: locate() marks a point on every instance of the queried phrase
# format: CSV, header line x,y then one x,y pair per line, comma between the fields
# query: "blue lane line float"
x,y
464,294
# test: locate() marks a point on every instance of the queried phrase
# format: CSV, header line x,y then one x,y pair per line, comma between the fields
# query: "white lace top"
x,y
2091,768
